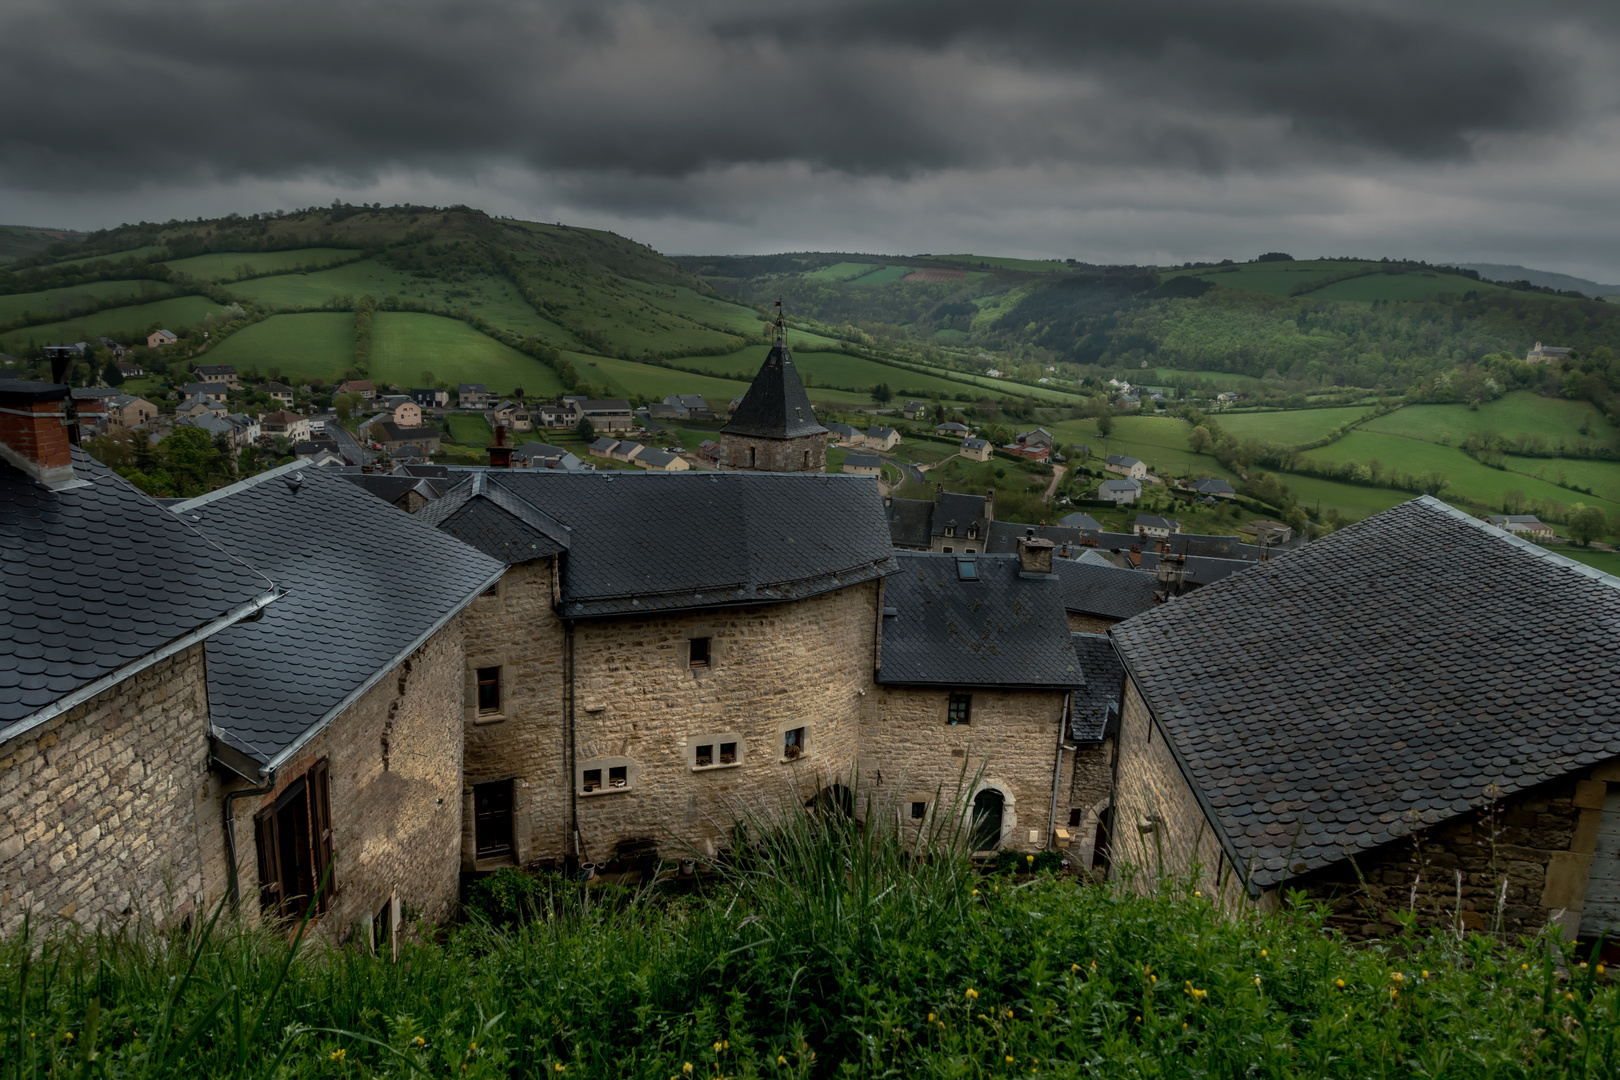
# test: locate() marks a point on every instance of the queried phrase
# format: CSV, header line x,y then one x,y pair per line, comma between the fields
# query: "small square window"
x,y
728,753
793,743
919,810
699,654
705,755
948,550
959,710
593,779
489,690
967,569
619,776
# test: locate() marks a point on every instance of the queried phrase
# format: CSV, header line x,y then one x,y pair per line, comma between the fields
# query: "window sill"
x,y
489,718
712,768
605,791
494,862
785,760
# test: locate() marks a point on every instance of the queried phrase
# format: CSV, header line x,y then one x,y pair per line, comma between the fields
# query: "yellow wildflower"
x,y
337,1055
1009,1014
972,993
1396,977
942,1025
930,1018
1009,1059
1600,969
1074,969
1425,973
420,1041
559,1066
717,1048
974,893
1524,967
1031,860
686,1069
1257,980
780,1060
1339,983
1155,978
67,1036
1198,892
1262,954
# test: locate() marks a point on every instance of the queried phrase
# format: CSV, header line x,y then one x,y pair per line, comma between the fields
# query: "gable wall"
x,y
774,455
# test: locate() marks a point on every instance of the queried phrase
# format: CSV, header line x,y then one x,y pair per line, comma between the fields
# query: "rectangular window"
x,y
489,691
919,810
492,821
728,753
705,755
793,743
295,845
619,776
960,709
699,654
593,779
947,550
967,570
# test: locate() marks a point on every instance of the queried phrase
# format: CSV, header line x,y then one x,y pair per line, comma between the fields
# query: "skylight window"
x,y
967,570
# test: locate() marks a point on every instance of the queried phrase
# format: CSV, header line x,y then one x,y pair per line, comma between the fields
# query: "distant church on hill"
x,y
773,428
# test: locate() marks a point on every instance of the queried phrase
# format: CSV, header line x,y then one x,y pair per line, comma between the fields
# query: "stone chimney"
x,y
990,504
34,430
1034,555
500,455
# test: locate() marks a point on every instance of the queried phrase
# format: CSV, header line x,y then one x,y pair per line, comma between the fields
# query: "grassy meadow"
x,y
53,303
313,345
230,265
829,369
406,344
1412,286
843,271
1161,441
1293,427
1513,414
129,324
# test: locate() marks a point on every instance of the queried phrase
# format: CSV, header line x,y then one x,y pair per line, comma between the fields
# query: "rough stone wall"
x,y
109,809
640,704
1159,828
517,630
1089,624
1517,866
395,757
774,455
909,753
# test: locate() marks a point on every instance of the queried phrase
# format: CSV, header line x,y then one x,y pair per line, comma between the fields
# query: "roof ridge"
x,y
243,484
1600,576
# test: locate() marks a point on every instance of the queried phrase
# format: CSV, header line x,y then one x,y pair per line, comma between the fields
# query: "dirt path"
x,y
1057,476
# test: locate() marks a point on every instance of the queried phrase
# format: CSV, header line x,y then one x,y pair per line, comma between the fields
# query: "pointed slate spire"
x,y
776,406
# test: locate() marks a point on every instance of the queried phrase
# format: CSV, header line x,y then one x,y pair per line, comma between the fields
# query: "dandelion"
x,y
1425,973
559,1067
975,892
930,1018
1031,860
1396,977
686,1069
726,1045
972,994
1155,978
1009,1014
1524,967
419,1041
1074,969
1009,1059
781,1060
717,1048
1600,969
67,1036
337,1055
1568,996
1184,1025
942,1025
1257,980
1263,954
1198,892
1339,983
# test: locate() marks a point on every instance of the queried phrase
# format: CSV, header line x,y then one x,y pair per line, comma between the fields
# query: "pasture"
x,y
1159,441
704,310
843,271
231,265
406,344
830,369
470,429
124,324
883,275
140,254
994,262
1291,427
313,345
1352,501
1518,413
55,304
1411,286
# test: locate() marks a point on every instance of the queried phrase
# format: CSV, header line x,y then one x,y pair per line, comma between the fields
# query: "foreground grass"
x,y
825,953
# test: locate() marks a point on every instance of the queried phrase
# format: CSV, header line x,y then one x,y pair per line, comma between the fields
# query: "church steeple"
x,y
773,428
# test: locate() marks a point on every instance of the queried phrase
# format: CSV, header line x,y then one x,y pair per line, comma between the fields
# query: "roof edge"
x,y
242,485
90,690
1600,576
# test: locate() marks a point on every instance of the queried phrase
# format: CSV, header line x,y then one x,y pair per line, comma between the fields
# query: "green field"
x,y
829,369
1468,478
1352,501
1291,427
1037,266
1413,285
883,275
1607,561
1165,376
470,429
125,324
1517,413
140,254
405,344
1159,441
51,303
313,345
705,310
230,265
843,271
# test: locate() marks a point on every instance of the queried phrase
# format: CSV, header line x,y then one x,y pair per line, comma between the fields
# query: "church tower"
x,y
773,428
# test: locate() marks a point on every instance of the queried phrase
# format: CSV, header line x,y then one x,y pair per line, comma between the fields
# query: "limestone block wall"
x,y
1526,857
518,631
395,757
639,704
909,753
109,810
1089,624
808,453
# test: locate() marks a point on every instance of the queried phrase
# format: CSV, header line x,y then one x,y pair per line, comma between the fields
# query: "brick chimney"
x,y
34,430
1034,554
990,504
500,455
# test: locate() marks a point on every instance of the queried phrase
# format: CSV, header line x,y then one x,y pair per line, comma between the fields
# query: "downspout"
x,y
1057,768
230,835
571,841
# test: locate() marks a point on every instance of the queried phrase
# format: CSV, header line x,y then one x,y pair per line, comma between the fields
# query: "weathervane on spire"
x,y
781,330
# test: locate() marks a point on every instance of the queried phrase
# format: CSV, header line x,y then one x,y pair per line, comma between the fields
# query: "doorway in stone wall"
x,y
987,813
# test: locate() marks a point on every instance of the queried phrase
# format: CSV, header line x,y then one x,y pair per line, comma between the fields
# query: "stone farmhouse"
x,y
1435,729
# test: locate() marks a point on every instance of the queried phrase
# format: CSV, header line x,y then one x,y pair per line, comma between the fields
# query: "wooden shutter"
x,y
320,820
271,891
1602,911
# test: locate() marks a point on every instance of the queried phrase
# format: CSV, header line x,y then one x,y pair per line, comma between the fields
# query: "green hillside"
x,y
315,345
17,241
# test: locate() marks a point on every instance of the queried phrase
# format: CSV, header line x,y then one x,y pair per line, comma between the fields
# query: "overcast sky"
x,y
1139,130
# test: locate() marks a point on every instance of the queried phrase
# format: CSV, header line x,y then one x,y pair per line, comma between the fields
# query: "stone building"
x,y
1436,729
950,522
773,428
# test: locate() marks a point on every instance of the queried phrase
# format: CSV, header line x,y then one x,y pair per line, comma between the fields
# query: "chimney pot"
x,y
1034,555
34,434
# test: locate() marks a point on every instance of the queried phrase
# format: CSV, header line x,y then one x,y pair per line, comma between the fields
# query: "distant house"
x,y
951,427
286,424
1129,402
602,447
914,410
1544,354
129,369
1524,524
1038,437
511,415
661,460
197,404
157,339
1226,397
556,414
429,398
213,391
976,449
626,450
708,450
128,411
1080,521
881,438
1213,488
406,414
1155,526
1126,466
843,433
1033,453
278,390
395,438
863,465
474,395
1122,492
218,373
535,455
695,405
609,414
1271,532
316,447
364,387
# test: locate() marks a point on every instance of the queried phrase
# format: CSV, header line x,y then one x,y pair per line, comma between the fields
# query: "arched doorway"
x,y
987,811
837,799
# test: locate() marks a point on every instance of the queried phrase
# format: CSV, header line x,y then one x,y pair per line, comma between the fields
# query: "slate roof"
x,y
843,431
952,425
496,522
389,488
974,444
1080,521
1200,570
1122,460
962,510
1407,663
998,630
1099,588
1154,521
877,432
604,444
1212,486
365,585
645,542
1096,704
775,406
536,454
94,578
658,459
1122,484
863,461
910,522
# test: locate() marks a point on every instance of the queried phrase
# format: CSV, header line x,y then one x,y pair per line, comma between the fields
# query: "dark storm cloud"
x,y
115,95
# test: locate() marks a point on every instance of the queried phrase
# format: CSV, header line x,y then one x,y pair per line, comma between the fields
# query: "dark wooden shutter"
x,y
271,892
320,817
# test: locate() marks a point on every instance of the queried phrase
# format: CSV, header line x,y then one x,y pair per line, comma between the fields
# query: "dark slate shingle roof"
x,y
1105,676
775,406
644,542
96,577
999,630
910,522
1379,680
365,584
1111,592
